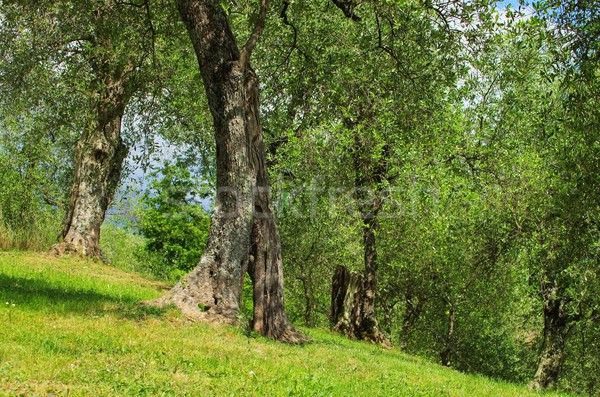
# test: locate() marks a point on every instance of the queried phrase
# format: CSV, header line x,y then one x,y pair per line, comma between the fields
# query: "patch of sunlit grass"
x,y
73,327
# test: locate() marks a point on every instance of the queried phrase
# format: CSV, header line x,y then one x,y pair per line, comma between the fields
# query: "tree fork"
x,y
243,235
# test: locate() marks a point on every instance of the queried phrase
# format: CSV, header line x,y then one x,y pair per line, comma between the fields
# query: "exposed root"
x,y
192,311
64,248
372,334
290,336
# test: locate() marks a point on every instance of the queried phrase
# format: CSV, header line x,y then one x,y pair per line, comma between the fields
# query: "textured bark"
x,y
339,288
555,333
347,290
265,264
98,163
243,235
347,308
214,286
369,326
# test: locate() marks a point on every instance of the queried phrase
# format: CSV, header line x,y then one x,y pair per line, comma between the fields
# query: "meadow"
x,y
74,327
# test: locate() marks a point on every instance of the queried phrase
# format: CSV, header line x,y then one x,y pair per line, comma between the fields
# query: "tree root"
x,y
64,248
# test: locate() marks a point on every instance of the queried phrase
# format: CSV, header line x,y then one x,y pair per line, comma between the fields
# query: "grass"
x,y
73,327
38,234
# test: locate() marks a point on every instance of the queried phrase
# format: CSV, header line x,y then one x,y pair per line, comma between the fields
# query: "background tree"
x,y
568,232
84,44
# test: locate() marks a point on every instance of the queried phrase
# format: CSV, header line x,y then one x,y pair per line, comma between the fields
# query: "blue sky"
x,y
504,3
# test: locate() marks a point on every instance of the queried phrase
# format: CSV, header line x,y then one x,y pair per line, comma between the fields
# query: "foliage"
x,y
121,248
478,130
173,222
34,173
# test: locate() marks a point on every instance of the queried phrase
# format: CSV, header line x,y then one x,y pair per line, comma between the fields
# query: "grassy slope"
x,y
75,329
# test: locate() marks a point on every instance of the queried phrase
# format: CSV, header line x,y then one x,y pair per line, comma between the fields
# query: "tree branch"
x,y
152,30
247,49
284,16
347,6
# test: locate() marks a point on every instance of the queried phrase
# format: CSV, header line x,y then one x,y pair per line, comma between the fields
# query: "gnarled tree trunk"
x,y
243,235
553,344
347,314
98,163
346,294
265,264
100,151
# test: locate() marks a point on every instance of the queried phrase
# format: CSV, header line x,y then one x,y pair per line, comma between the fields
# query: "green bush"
x,y
121,248
173,222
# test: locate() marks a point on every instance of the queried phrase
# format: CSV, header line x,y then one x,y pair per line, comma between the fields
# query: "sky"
x,y
504,3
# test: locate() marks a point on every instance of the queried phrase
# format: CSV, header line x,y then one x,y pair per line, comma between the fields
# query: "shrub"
x,y
174,223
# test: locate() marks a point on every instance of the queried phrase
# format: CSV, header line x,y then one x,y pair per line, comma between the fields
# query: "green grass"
x,y
72,327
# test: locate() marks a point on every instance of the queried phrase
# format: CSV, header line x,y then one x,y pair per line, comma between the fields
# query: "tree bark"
x,y
553,344
339,290
215,285
99,160
347,308
243,235
265,262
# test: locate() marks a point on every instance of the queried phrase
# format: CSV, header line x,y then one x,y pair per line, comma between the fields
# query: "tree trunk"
x,y
347,291
348,308
265,263
359,322
555,333
99,160
100,151
446,352
243,235
369,328
215,285
339,288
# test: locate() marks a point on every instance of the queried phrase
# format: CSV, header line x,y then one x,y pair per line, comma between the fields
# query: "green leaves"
x,y
173,222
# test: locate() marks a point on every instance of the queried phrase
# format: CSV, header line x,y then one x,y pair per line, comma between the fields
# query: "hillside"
x,y
72,327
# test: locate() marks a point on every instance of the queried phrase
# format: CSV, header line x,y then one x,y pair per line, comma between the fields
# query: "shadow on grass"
x,y
38,294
